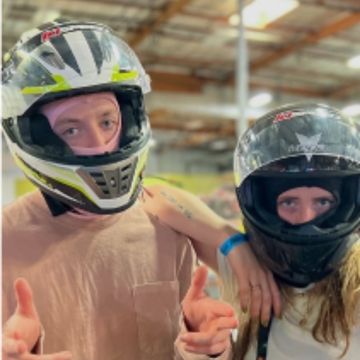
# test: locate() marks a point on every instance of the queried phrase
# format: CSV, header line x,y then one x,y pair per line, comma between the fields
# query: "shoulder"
x,y
24,209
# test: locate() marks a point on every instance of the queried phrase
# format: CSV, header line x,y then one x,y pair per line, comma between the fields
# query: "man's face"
x,y
303,204
89,124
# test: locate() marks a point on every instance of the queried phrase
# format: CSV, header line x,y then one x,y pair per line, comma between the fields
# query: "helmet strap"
x,y
55,206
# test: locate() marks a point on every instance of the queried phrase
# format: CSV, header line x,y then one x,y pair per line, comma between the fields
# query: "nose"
x,y
95,137
306,214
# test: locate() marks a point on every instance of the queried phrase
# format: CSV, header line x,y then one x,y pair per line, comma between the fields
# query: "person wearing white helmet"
x,y
90,260
297,174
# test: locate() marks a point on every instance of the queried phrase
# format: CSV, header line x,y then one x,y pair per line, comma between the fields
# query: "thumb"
x,y
198,283
25,305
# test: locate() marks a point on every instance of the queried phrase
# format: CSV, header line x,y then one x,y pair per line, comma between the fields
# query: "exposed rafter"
x,y
172,9
162,81
344,90
328,30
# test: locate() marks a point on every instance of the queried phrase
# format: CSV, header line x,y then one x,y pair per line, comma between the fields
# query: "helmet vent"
x,y
117,182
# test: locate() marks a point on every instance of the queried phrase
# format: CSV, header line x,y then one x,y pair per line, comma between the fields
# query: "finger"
x,y
275,294
63,355
224,323
24,298
256,295
13,346
205,338
266,301
198,283
217,348
220,308
244,293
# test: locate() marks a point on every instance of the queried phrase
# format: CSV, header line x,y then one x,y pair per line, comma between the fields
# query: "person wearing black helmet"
x,y
307,147
297,174
101,269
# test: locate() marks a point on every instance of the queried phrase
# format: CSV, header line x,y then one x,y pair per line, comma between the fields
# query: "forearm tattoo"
x,y
179,206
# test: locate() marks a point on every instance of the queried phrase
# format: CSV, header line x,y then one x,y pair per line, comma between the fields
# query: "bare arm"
x,y
187,214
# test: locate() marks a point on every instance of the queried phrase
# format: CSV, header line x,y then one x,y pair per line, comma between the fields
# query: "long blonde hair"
x,y
338,304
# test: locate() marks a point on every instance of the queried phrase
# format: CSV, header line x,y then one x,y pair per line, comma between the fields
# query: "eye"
x,y
325,202
287,203
108,124
70,132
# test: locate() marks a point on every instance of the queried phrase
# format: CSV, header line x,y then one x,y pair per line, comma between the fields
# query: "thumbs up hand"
x,y
210,321
23,329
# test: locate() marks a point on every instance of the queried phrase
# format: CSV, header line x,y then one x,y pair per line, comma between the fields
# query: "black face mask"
x,y
271,188
305,253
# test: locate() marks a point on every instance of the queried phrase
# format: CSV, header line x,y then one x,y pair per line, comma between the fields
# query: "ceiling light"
x,y
194,125
219,145
260,13
260,100
354,62
152,142
234,19
352,110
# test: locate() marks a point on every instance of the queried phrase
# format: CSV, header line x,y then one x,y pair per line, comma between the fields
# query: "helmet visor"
x,y
65,58
324,139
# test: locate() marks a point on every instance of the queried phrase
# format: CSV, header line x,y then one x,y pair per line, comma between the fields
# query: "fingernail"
x,y
265,323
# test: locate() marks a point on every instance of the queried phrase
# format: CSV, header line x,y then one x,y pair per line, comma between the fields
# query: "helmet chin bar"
x,y
296,264
58,206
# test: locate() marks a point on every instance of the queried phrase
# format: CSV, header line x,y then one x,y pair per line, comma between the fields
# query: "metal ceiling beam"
x,y
328,30
162,81
172,9
288,89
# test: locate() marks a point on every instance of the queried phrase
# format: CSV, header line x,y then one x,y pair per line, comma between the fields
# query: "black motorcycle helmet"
x,y
300,145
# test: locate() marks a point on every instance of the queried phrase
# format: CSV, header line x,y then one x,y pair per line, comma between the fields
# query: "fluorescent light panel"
x,y
260,13
354,62
352,110
260,100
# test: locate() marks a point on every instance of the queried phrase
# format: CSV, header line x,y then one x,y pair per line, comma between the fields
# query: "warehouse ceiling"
x,y
189,48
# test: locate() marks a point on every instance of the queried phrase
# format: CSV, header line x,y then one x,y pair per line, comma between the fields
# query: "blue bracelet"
x,y
231,242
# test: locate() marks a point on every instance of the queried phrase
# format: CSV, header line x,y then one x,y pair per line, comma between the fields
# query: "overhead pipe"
x,y
242,75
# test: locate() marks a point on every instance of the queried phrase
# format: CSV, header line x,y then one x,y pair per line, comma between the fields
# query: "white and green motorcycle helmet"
x,y
63,59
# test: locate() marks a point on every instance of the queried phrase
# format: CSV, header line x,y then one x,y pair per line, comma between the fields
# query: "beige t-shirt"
x,y
106,288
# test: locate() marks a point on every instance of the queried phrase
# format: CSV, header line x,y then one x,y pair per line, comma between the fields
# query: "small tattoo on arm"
x,y
180,207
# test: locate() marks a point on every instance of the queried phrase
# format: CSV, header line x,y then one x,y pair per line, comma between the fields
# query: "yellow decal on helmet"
x,y
36,176
140,166
123,75
61,85
31,173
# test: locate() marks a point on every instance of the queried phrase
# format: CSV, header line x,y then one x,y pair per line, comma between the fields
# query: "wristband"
x,y
231,242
